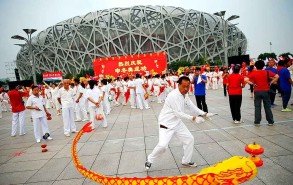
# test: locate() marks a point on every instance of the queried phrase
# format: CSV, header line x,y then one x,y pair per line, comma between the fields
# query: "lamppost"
x,y
29,33
221,14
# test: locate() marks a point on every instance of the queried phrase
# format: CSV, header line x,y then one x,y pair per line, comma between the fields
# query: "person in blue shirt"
x,y
199,82
285,85
273,87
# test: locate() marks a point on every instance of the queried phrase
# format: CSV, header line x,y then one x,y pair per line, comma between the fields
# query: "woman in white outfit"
x,y
140,92
105,90
95,96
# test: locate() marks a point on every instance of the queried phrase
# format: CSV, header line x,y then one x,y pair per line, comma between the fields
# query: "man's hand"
x,y
193,118
77,101
37,108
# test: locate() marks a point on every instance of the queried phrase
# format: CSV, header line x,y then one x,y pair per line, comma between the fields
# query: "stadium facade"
x,y
185,35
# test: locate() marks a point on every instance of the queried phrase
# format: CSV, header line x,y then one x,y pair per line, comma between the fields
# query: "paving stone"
x,y
16,177
151,142
212,152
151,131
274,174
177,153
235,147
51,170
284,161
112,146
33,156
134,132
165,173
240,133
219,135
192,170
90,148
201,137
70,181
22,166
134,144
70,172
262,131
99,136
254,181
117,134
66,151
107,164
40,183
282,140
132,162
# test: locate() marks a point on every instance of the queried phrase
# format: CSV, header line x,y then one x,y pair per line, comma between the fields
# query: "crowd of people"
x,y
93,99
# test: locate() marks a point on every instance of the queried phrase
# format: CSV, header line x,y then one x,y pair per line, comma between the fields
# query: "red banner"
x,y
131,64
52,75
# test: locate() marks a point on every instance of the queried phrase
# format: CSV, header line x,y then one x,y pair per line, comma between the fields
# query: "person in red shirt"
x,y
234,85
225,80
260,80
18,109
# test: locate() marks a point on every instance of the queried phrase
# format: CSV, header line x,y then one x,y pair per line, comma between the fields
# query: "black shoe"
x,y
147,165
191,164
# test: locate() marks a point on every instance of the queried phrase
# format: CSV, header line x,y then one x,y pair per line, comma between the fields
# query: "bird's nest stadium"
x,y
185,35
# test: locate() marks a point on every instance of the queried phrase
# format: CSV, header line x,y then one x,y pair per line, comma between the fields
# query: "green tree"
x,y
176,64
286,54
264,56
68,76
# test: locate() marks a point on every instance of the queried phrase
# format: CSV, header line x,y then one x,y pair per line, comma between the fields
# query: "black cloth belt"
x,y
162,126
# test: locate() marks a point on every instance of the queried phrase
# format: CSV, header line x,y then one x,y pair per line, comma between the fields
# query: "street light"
x,y
221,14
29,33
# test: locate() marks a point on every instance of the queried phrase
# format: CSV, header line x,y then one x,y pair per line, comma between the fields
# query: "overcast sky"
x,y
262,21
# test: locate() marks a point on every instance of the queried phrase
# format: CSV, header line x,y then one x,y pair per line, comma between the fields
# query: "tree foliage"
x,y
175,65
286,54
264,56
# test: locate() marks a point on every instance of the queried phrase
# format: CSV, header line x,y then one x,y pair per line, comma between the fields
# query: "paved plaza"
x,y
122,147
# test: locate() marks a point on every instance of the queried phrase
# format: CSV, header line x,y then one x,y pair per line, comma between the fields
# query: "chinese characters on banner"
x,y
52,76
131,64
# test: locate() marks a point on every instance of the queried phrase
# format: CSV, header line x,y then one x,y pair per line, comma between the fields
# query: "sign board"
x,y
51,76
131,64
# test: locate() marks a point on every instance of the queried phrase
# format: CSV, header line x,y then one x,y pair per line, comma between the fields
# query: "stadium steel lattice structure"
x,y
71,45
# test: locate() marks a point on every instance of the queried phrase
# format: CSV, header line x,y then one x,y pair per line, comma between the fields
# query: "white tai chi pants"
x,y
6,106
68,120
106,104
180,132
18,118
38,123
48,103
215,83
132,100
95,111
80,107
156,93
140,101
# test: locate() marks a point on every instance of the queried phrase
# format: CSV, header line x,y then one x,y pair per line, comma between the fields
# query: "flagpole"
x,y
270,47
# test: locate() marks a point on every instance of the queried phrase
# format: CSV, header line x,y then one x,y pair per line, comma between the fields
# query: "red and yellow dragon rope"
x,y
234,170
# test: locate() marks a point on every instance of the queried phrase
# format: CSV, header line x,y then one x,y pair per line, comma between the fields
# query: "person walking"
x,y
80,102
39,111
234,85
141,93
170,123
259,79
285,85
65,98
199,82
18,109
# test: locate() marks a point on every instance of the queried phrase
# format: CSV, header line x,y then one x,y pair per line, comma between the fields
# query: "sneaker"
x,y
133,107
74,131
67,135
271,124
191,164
286,110
13,135
38,140
85,120
147,165
256,124
22,134
77,120
237,122
147,108
49,138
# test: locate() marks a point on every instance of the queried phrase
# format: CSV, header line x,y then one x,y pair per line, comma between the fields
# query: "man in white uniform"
x,y
36,104
80,102
48,96
131,86
140,91
65,98
170,123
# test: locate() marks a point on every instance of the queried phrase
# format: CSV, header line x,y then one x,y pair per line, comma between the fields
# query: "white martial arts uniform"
x,y
66,97
5,102
80,106
132,97
106,103
54,93
173,111
157,85
214,76
39,117
48,98
140,100
95,94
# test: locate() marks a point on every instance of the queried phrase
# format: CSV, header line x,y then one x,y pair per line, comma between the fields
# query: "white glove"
x,y
199,119
211,114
